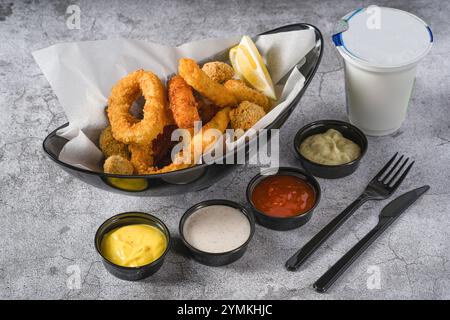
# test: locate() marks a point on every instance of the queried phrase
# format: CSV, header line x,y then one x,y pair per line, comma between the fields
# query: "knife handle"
x,y
329,277
309,248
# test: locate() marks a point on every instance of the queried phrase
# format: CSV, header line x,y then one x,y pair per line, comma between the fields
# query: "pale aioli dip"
x,y
330,148
217,229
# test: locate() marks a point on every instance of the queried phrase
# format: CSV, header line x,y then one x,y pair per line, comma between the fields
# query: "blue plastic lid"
x,y
383,37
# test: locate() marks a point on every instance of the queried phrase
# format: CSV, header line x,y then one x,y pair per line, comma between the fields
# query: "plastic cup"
x,y
382,48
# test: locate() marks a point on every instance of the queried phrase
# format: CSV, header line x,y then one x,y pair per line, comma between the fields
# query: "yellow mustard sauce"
x,y
133,245
128,184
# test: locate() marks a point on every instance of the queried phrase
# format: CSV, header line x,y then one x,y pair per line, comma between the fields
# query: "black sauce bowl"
x,y
222,258
124,219
283,223
348,130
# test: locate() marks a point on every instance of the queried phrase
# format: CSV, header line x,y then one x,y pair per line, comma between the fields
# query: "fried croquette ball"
x,y
111,146
118,165
218,71
246,115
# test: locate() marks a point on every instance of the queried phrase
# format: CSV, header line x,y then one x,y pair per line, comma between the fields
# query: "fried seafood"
x,y
246,115
134,146
244,93
162,147
151,157
218,71
198,79
182,103
206,108
208,111
142,156
118,165
204,138
111,146
125,127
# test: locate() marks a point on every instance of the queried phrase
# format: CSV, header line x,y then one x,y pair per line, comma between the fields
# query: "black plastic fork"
x,y
381,187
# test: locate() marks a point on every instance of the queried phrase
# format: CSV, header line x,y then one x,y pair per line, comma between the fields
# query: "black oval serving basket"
x,y
191,179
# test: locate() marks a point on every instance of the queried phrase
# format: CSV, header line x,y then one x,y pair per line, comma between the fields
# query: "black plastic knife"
x,y
388,215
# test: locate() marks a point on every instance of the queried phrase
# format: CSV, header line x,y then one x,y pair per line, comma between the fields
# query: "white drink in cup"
x,y
381,48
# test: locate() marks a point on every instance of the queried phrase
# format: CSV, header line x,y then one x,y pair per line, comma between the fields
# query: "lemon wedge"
x,y
249,65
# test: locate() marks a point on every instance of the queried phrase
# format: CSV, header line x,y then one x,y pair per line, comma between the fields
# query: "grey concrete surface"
x,y
48,218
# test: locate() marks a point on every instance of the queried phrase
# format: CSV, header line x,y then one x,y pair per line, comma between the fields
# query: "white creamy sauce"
x,y
216,229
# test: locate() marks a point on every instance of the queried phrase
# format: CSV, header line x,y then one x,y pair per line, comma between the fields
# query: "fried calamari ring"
x,y
142,158
218,71
111,146
125,127
198,80
118,165
182,103
244,93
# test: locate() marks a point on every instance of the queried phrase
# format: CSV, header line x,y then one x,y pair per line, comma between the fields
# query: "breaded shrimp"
x,y
182,103
207,87
244,93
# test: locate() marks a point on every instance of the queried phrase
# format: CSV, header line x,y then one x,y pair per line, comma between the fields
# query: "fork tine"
x,y
393,168
402,177
379,174
398,172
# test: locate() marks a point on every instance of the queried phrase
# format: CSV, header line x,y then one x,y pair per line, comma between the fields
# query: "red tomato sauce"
x,y
283,196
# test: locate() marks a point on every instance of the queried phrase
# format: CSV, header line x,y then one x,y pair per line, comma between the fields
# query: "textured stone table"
x,y
48,218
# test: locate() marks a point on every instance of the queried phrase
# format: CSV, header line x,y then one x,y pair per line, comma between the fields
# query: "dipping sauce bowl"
x,y
285,197
128,219
348,130
217,232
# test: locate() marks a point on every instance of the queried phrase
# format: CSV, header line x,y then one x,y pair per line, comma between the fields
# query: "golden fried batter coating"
x,y
204,139
111,146
142,156
218,71
162,147
118,165
208,111
199,80
182,103
149,158
244,93
246,115
125,127
206,108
